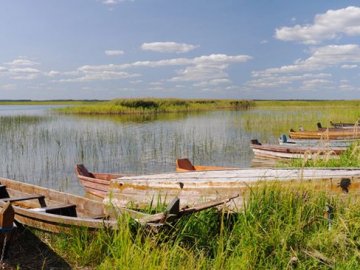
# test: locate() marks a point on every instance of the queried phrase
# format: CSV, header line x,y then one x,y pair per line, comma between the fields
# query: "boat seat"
x,y
41,199
185,163
81,170
63,210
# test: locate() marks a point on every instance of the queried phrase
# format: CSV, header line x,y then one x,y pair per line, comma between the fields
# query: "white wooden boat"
x,y
192,187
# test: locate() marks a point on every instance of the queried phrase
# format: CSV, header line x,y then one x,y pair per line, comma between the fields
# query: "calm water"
x,y
41,147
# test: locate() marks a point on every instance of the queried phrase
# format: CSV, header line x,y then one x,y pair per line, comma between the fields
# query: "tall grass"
x,y
278,228
350,158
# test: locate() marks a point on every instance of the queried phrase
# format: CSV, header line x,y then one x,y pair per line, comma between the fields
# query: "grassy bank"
x,y
279,228
155,105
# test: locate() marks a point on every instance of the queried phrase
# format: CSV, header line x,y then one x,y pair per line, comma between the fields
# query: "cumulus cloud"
x,y
326,26
114,52
309,73
22,62
168,47
208,67
321,58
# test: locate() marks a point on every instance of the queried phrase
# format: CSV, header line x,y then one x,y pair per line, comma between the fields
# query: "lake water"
x,y
41,147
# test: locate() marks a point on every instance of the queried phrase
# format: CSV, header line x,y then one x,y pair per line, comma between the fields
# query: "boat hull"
x,y
192,187
295,151
30,213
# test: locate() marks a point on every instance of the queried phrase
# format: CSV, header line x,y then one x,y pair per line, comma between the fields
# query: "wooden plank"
x,y
41,199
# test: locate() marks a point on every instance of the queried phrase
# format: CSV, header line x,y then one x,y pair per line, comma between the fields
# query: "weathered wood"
x,y
40,198
7,214
58,214
194,187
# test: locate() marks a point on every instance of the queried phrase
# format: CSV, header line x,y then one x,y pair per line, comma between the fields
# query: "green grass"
x,y
278,228
278,117
350,158
155,105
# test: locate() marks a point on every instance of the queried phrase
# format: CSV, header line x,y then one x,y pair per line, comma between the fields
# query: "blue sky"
x,y
104,49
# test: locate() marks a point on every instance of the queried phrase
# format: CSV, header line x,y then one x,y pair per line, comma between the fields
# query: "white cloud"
x,y
99,75
280,80
22,62
326,26
208,67
25,73
168,47
114,52
53,73
321,58
349,66
114,2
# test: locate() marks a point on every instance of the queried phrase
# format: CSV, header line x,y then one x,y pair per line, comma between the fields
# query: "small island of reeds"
x,y
155,105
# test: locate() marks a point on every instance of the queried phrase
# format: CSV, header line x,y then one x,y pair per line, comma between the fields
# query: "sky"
x,y
251,49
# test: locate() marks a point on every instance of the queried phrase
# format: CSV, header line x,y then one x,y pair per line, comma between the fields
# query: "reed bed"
x,y
292,227
276,118
156,105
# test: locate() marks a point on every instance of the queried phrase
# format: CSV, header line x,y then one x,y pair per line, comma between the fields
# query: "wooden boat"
x,y
97,184
55,211
195,186
184,165
344,125
293,151
353,128
94,183
340,134
284,140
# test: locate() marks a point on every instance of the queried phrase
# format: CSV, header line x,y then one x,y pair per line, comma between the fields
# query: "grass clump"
x,y
155,105
279,227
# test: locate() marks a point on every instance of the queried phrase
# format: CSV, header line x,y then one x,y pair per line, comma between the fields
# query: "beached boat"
x,y
184,165
95,183
339,134
55,211
294,151
344,125
195,186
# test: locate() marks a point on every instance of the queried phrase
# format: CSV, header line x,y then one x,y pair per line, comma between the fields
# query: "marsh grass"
x,y
155,105
278,117
278,228
350,158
